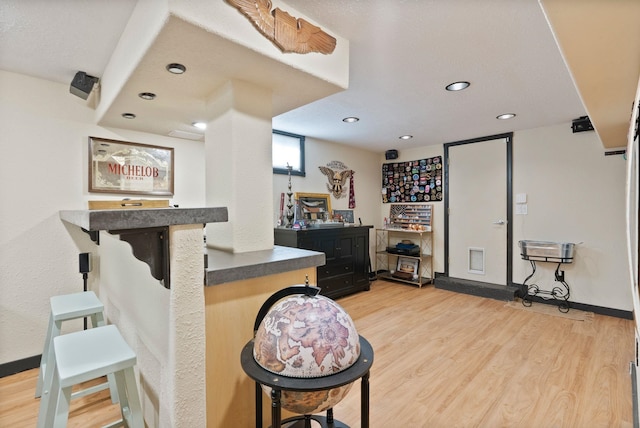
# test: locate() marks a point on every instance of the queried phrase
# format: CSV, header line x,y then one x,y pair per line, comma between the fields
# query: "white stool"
x,y
65,308
87,355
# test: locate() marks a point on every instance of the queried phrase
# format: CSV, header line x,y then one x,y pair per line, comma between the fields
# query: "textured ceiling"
x,y
402,54
54,39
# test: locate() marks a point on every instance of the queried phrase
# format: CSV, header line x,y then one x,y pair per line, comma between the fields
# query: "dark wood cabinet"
x,y
346,252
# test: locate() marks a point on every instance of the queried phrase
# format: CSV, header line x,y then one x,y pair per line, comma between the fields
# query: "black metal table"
x,y
359,370
560,293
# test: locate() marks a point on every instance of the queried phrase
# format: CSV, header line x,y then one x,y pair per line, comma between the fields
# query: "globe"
x,y
307,337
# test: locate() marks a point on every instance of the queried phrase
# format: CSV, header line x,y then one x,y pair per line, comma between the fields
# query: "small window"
x,y
287,149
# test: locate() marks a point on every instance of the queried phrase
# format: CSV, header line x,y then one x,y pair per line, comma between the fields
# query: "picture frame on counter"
x,y
313,206
130,168
346,216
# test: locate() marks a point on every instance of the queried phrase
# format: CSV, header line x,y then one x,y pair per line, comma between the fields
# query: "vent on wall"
x,y
614,152
186,135
476,260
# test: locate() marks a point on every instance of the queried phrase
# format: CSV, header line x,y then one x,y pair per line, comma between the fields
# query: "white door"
x,y
478,211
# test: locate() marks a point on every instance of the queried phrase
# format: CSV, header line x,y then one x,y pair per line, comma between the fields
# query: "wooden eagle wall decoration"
x,y
337,180
288,33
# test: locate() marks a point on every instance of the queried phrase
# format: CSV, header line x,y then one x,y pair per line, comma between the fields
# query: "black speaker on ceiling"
x,y
391,154
581,124
82,85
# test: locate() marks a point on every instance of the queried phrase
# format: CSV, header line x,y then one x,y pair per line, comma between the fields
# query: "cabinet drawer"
x,y
336,285
334,269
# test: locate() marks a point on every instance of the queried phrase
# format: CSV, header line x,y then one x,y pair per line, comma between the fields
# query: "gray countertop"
x,y
226,267
94,220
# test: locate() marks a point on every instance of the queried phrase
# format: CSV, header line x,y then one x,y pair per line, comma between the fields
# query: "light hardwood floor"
x,y
443,359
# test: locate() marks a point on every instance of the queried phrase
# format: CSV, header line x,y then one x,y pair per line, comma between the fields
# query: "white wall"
x,y
44,170
574,194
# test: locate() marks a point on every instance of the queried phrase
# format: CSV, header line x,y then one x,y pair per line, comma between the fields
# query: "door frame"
x,y
509,196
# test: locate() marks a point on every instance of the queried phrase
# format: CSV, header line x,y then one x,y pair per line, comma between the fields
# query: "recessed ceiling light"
x,y
176,68
406,137
457,86
506,116
200,125
351,119
147,95
128,115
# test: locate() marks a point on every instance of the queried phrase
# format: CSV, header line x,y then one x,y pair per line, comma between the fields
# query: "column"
x,y
238,167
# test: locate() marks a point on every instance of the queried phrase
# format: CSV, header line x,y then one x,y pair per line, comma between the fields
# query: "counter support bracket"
x,y
150,245
94,235
146,230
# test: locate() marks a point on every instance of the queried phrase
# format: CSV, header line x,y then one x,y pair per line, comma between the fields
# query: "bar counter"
x,y
192,332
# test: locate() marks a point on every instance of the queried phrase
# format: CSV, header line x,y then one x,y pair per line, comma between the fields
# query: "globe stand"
x,y
305,422
359,370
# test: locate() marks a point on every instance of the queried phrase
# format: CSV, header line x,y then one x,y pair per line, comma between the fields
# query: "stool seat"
x,y
77,305
87,355
65,308
90,354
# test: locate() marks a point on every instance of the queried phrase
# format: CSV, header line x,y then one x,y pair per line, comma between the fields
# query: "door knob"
x,y
499,222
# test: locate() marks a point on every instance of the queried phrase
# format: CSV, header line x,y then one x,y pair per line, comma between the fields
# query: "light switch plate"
x,y
521,209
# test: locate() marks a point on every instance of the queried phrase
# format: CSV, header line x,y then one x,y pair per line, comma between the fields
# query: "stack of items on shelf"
x,y
405,248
